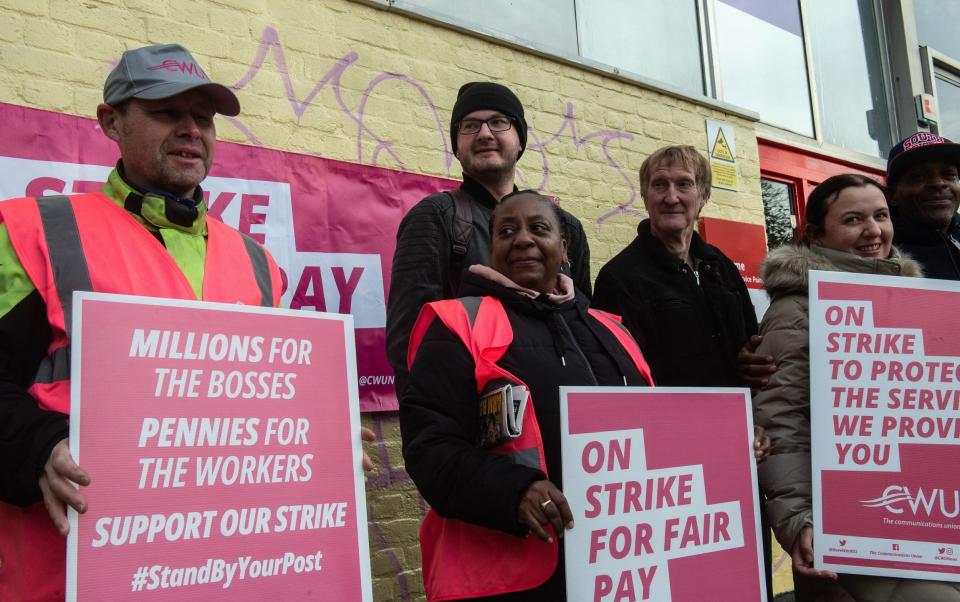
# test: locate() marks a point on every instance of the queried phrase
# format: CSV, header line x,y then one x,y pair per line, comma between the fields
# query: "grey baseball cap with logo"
x,y
155,72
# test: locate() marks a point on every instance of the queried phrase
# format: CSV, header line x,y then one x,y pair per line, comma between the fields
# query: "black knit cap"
x,y
488,96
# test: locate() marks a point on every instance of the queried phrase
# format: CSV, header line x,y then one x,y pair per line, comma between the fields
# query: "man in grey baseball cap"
x,y
162,71
159,108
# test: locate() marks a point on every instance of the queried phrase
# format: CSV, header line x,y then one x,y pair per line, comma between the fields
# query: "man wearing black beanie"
x,y
477,96
447,232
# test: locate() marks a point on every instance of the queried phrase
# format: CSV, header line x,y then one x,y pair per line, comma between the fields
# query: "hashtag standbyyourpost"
x,y
223,572
139,579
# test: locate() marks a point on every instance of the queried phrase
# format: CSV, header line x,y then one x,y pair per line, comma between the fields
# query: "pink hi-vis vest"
x,y
461,560
87,242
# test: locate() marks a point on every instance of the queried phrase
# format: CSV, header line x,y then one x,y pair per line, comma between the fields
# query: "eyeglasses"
x,y
496,124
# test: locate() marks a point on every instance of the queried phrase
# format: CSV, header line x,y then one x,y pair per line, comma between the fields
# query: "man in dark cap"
x,y
923,175
447,232
145,233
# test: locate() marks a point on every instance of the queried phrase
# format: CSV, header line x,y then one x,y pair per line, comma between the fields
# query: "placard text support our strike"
x,y
202,434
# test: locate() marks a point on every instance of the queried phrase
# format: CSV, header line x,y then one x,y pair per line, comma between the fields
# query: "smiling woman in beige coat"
x,y
847,229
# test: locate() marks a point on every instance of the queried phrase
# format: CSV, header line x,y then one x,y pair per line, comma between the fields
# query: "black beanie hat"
x,y
479,96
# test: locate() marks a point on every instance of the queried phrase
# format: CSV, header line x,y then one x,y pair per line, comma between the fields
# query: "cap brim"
x,y
225,101
949,151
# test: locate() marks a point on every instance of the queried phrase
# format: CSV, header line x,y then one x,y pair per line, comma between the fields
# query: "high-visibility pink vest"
x,y
462,560
87,242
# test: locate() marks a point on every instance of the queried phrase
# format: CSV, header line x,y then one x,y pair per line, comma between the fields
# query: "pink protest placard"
x,y
223,447
663,489
885,424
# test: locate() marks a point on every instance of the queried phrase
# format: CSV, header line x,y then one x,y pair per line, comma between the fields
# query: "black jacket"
x,y
937,253
690,333
425,270
438,411
28,432
553,345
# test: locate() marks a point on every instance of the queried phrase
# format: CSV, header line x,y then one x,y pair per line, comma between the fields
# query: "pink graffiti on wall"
x,y
270,45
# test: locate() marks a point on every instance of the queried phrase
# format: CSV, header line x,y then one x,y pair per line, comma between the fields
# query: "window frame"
x,y
408,8
793,184
804,169
708,52
935,63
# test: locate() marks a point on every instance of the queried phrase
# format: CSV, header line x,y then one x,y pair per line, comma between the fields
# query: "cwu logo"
x,y
181,66
898,498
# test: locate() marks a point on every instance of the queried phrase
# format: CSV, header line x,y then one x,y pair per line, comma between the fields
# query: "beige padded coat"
x,y
783,409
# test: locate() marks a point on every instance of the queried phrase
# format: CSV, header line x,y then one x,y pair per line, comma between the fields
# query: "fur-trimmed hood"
x,y
784,271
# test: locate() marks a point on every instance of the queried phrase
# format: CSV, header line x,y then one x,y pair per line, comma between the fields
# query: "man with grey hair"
x,y
145,233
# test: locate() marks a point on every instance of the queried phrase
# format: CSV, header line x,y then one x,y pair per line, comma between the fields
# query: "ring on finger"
x,y
543,505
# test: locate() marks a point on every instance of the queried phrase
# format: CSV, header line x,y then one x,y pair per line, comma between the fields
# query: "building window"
x,y
787,178
762,61
656,39
848,71
940,51
941,76
763,55
937,25
779,211
547,24
947,84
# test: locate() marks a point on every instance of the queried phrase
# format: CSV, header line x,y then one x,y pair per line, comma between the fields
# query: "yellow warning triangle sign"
x,y
721,150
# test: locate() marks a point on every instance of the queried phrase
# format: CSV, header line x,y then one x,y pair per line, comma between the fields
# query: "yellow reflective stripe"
x,y
189,251
15,285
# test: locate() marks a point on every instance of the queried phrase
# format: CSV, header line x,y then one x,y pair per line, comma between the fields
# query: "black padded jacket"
x,y
690,331
938,253
553,346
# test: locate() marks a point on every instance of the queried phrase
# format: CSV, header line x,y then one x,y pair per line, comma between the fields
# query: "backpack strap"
x,y
462,221
462,233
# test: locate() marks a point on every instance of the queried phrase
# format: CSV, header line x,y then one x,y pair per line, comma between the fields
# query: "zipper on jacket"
x,y
573,343
686,269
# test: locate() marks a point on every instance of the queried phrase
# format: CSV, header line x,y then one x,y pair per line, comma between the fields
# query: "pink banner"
x,y
222,443
331,225
885,422
663,490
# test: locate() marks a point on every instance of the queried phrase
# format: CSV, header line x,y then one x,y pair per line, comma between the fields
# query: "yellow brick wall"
x,y
353,82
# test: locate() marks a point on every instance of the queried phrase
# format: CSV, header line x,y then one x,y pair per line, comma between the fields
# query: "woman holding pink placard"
x,y
847,228
498,509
